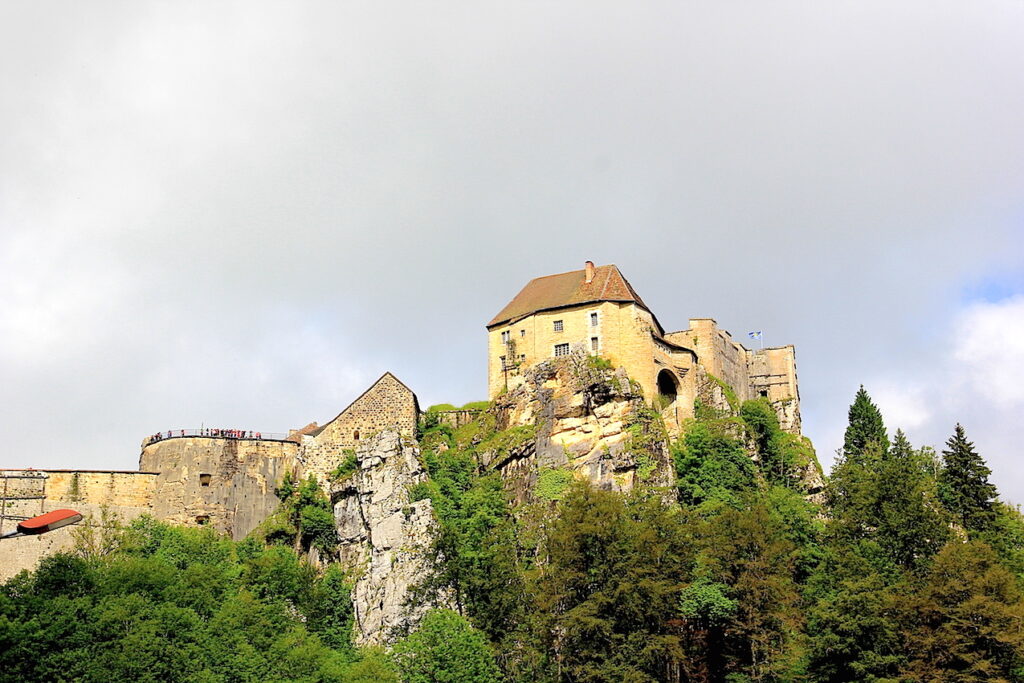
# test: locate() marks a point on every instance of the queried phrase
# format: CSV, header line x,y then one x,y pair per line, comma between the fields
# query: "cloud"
x,y
244,214
988,352
975,380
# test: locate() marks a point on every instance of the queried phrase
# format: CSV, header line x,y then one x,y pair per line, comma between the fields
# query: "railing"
x,y
216,433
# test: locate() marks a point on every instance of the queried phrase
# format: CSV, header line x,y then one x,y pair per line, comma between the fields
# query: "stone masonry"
x,y
386,405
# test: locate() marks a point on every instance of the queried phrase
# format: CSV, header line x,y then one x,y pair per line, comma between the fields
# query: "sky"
x,y
241,214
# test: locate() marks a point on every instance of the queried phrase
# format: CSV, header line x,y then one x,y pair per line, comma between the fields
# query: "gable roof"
x,y
570,289
415,400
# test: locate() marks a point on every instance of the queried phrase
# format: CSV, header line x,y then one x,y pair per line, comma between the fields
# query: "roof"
x,y
569,289
317,431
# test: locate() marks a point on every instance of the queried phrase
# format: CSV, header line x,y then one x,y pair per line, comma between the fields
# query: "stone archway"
x,y
668,388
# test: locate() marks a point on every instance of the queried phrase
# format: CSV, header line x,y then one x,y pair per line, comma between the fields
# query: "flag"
x,y
754,335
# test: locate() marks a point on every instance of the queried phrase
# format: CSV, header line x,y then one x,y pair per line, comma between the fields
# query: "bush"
x,y
445,647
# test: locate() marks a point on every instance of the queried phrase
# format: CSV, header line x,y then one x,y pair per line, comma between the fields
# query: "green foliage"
x,y
599,363
504,442
727,391
476,405
446,647
178,604
707,604
614,564
552,483
711,464
966,619
964,485
865,427
346,467
781,456
645,435
743,578
441,407
305,518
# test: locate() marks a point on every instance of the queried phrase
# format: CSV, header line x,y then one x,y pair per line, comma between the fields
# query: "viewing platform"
x,y
216,433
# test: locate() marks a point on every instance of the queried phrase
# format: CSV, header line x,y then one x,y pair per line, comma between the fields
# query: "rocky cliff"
x,y
589,421
384,539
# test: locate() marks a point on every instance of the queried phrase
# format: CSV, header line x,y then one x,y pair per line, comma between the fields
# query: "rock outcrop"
x,y
384,538
589,420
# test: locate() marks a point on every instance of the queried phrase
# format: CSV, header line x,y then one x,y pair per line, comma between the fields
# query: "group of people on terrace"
x,y
207,431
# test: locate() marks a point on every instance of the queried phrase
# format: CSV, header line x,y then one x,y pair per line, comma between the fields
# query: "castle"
x,y
597,311
226,478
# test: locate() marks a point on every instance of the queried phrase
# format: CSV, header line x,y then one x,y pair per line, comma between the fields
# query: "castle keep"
x,y
595,310
226,479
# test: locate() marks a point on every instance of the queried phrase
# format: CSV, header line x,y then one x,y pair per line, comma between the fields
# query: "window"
x,y
593,344
506,337
593,319
204,479
355,435
522,333
561,349
558,326
202,520
764,393
522,358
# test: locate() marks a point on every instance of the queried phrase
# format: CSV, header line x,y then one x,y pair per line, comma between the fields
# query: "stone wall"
x,y
386,405
717,352
773,375
225,483
125,495
625,334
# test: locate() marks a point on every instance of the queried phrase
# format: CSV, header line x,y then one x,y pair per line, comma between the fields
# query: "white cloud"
x,y
988,352
976,379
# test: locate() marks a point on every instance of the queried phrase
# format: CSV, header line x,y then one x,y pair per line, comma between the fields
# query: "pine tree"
x,y
911,525
964,485
865,426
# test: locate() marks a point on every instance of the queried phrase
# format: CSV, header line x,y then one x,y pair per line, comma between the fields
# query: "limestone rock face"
x,y
385,539
583,415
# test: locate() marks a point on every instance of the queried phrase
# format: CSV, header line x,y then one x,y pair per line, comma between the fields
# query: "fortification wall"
x,y
773,375
124,495
225,483
718,353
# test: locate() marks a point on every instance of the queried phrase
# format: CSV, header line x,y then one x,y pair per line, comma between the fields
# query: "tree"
x,y
608,596
865,426
445,649
964,624
910,522
964,484
711,464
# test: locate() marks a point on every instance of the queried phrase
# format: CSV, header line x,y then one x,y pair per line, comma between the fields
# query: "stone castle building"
x,y
226,479
596,310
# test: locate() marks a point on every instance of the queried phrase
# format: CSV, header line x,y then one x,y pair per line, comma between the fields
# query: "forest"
x,y
907,566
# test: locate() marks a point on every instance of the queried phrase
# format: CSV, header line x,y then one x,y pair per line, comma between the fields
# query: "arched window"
x,y
355,435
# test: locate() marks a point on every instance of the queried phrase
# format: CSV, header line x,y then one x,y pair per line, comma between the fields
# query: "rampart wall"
x,y
27,493
225,483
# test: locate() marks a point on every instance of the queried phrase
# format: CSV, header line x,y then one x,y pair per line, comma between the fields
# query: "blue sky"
x,y
242,214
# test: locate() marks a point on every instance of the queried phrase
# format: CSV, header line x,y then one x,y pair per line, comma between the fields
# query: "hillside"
x,y
561,534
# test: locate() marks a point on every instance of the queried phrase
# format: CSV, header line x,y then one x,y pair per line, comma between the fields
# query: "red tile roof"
x,y
569,289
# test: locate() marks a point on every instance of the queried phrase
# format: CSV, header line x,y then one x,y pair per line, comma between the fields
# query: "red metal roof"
x,y
55,519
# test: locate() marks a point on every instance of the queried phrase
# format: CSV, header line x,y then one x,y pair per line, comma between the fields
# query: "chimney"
x,y
589,267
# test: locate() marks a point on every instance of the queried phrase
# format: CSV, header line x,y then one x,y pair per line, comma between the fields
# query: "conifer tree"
x,y
964,485
865,426
911,525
